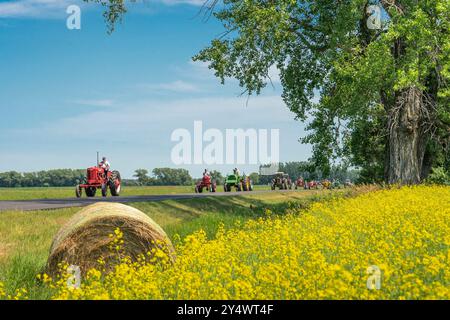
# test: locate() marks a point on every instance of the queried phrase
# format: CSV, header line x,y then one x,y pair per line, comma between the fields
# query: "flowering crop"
x,y
321,253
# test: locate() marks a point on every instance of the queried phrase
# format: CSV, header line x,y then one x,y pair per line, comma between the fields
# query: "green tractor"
x,y
243,183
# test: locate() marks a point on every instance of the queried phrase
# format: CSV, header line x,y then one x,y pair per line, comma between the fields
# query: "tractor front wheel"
x,y
90,191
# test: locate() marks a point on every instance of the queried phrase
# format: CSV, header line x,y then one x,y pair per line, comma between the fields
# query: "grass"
x,y
25,237
69,192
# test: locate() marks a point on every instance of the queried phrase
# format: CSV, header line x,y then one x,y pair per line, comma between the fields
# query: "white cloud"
x,y
35,8
154,118
175,86
56,8
138,135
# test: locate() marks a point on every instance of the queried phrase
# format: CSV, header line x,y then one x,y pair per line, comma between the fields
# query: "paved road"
x,y
42,204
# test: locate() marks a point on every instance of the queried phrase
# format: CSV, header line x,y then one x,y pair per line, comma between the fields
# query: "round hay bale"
x,y
85,238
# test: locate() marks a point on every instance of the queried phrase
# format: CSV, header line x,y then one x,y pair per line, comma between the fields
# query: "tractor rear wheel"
x,y
78,191
115,183
90,191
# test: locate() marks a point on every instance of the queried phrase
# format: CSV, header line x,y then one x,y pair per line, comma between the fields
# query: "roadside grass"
x,y
69,192
26,236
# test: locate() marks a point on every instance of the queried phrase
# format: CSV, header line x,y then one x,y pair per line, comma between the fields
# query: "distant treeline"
x,y
72,177
50,178
164,176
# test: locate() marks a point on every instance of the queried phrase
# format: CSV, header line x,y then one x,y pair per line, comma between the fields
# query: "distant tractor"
x,y
207,184
247,183
281,181
336,184
97,179
300,183
240,183
326,184
313,185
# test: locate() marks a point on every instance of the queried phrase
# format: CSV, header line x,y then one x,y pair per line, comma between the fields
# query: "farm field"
x,y
69,192
305,245
25,237
388,244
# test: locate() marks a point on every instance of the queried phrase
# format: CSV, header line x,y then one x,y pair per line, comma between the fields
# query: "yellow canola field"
x,y
388,244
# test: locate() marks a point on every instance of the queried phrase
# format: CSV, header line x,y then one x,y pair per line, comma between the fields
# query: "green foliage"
x,y
255,178
142,176
439,176
114,10
324,49
217,176
169,176
50,178
164,177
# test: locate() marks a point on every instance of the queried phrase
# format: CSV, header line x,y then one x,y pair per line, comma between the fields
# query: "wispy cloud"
x,y
35,8
56,8
138,134
175,86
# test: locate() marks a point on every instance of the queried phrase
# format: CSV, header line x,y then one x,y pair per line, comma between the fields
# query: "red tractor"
x,y
207,183
97,179
300,183
313,184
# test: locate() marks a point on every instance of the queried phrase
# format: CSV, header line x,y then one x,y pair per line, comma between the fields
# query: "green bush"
x,y
439,176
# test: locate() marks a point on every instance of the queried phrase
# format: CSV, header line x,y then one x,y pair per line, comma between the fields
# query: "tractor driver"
x,y
206,173
104,164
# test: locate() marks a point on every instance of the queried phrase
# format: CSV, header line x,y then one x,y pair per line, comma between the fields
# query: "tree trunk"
x,y
407,140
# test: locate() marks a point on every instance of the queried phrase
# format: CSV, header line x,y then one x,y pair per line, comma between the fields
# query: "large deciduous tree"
x,y
378,96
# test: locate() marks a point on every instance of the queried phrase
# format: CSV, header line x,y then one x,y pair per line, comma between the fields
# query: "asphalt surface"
x,y
45,204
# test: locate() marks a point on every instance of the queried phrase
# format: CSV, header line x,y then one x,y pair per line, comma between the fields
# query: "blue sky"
x,y
64,94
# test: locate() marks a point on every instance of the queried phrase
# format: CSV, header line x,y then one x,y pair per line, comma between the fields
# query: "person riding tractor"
x,y
105,165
